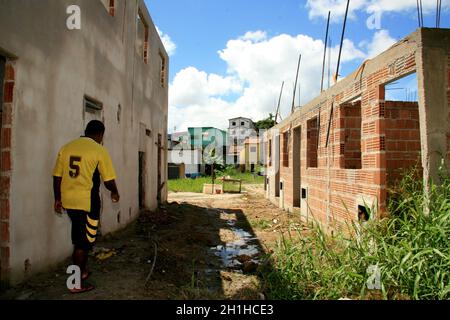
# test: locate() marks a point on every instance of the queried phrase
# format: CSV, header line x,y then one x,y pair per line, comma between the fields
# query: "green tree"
x,y
266,123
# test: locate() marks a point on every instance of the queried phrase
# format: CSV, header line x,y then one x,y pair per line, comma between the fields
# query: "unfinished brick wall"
x,y
285,149
350,157
403,149
350,147
5,169
286,161
312,140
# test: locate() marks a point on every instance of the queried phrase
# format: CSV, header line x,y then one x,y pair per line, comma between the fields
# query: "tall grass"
x,y
410,248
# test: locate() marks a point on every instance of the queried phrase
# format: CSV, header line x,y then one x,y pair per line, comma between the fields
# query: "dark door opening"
x,y
160,185
277,166
141,180
296,177
2,76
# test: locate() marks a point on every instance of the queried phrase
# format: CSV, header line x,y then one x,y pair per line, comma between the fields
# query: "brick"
x,y
5,162
4,209
405,114
8,92
4,232
9,73
5,138
383,143
6,114
5,184
5,255
414,134
448,83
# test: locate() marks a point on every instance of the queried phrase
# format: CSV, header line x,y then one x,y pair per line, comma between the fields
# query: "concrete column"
x,y
432,75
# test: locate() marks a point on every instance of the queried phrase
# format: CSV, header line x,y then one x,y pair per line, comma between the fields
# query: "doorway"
x,y
277,166
141,179
296,165
160,185
3,264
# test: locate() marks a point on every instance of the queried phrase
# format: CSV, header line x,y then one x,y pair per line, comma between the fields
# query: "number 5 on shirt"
x,y
74,171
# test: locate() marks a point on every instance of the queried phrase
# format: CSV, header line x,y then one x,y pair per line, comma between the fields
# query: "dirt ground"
x,y
195,247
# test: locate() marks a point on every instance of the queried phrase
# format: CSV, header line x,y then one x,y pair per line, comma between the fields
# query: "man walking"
x,y
76,186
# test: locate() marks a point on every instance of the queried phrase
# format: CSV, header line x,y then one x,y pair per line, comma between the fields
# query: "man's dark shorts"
x,y
84,227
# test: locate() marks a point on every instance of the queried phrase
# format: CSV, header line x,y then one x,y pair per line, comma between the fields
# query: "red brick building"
x,y
343,150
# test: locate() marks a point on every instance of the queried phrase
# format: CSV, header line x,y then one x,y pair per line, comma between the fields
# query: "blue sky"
x,y
229,57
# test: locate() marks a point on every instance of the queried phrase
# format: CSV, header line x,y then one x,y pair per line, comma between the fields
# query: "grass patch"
x,y
261,224
188,185
411,250
196,185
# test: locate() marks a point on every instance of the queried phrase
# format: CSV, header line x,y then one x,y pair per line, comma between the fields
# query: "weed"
x,y
411,249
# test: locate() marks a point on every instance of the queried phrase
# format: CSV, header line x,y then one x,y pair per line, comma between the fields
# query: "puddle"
x,y
231,251
231,223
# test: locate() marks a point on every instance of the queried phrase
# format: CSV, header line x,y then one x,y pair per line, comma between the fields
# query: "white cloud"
x,y
257,66
254,36
429,7
167,42
320,8
381,41
194,87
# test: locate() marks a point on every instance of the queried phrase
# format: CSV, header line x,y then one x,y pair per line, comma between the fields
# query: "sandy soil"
x,y
195,247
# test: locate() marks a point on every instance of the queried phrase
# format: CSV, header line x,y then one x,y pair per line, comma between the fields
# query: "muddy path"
x,y
195,247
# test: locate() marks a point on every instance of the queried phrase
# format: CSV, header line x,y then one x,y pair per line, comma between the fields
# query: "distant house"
x,y
178,140
250,155
239,130
207,139
184,161
202,137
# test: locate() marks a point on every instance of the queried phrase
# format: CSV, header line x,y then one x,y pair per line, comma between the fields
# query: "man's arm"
x,y
57,194
111,186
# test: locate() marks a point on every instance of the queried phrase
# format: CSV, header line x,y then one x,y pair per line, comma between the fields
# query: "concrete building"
x,y
189,160
179,140
250,156
239,129
343,150
184,161
203,137
208,139
55,78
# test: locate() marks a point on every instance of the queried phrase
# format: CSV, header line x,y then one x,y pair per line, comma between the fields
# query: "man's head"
x,y
95,130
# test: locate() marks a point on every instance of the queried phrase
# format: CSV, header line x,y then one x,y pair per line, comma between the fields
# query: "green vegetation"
x,y
246,177
410,248
188,185
261,224
266,123
196,185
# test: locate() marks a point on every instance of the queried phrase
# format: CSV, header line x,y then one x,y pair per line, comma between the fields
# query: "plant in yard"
x,y
410,249
214,160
